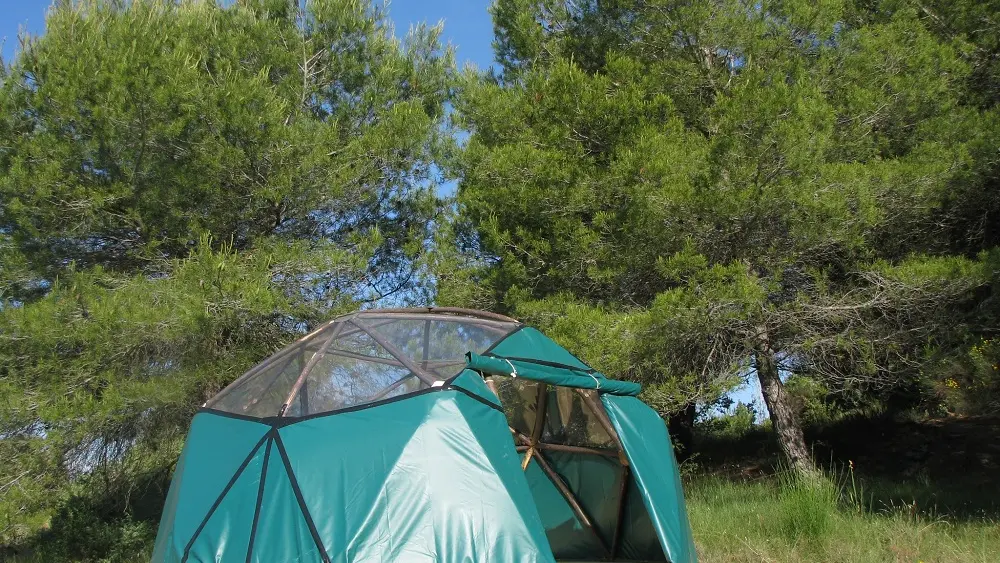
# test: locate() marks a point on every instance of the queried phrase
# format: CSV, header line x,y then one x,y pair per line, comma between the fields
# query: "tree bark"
x,y
783,417
681,427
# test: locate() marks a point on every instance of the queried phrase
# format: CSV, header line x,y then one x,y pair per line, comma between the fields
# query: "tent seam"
x,y
260,494
222,495
281,422
482,400
299,498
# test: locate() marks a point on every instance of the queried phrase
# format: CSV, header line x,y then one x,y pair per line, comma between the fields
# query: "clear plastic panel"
x,y
519,398
338,382
372,357
570,420
405,335
357,342
263,390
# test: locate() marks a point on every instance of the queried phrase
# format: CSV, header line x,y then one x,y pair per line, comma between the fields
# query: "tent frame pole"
x,y
315,359
622,503
568,495
395,351
572,449
541,409
473,313
427,344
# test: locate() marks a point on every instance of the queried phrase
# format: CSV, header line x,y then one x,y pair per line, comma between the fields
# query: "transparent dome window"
x,y
359,359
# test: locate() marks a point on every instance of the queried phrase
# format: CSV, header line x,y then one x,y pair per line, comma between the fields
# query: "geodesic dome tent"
x,y
425,435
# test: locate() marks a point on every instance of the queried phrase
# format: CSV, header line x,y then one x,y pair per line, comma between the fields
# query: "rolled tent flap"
x,y
646,442
550,373
527,342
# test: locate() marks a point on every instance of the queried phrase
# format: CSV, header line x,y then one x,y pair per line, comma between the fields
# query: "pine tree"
x,y
184,187
760,187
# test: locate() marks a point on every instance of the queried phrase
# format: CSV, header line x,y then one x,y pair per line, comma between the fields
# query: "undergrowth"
x,y
781,518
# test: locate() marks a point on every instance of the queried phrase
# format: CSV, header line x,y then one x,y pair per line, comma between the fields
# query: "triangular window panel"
x,y
360,359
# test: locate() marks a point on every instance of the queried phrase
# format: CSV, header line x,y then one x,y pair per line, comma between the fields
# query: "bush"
x,y
811,399
732,426
975,390
101,520
805,508
85,529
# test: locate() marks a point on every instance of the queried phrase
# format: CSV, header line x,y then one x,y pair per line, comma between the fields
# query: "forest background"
x,y
688,194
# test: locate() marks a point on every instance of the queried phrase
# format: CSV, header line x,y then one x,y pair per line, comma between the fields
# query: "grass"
x,y
780,519
899,490
907,491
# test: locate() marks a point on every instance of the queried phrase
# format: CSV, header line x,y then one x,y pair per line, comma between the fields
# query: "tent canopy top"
x,y
361,358
380,354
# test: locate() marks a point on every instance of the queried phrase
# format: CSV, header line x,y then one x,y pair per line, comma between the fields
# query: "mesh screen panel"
x,y
360,359
569,420
357,342
576,454
519,398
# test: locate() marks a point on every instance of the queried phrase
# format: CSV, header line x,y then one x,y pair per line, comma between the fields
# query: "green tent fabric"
x,y
647,444
401,436
281,517
567,535
551,374
213,454
639,536
401,492
528,342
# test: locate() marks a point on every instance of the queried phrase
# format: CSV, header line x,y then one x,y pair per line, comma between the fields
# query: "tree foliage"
x,y
183,188
687,193
803,186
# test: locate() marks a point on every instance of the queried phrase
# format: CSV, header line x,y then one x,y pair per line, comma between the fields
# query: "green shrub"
x,y
84,529
733,426
975,390
811,399
805,508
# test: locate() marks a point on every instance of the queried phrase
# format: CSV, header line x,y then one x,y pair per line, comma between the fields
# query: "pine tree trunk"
x,y
783,418
681,427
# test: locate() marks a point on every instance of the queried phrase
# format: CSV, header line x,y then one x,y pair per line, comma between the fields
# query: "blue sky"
x,y
17,13
467,27
467,23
